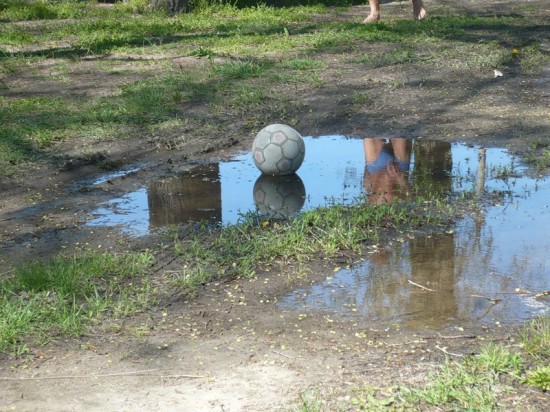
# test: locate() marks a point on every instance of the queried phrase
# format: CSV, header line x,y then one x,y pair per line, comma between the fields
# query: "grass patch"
x,y
531,59
18,10
489,381
62,296
255,244
238,69
539,378
535,337
499,359
251,39
538,154
461,386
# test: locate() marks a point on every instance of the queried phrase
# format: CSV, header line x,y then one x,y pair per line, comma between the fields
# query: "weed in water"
x,y
539,154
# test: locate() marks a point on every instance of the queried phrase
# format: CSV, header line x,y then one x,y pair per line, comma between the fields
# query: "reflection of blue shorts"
x,y
384,159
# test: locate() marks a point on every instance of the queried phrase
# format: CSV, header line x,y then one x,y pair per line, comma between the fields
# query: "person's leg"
x,y
374,12
419,12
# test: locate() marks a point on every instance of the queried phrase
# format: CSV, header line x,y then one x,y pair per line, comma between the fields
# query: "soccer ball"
x,y
279,197
278,149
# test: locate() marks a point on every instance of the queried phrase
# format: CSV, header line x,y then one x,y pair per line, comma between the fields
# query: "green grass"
x,y
264,48
456,386
483,382
539,378
41,301
531,59
232,70
535,337
468,385
62,296
538,154
21,10
244,249
499,359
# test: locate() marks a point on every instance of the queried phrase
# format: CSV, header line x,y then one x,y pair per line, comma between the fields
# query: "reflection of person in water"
x,y
387,169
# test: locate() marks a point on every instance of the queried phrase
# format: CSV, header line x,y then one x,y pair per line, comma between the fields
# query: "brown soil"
x,y
232,348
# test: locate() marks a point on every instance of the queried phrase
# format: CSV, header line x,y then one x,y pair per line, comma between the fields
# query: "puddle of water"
x,y
486,270
334,171
224,192
475,272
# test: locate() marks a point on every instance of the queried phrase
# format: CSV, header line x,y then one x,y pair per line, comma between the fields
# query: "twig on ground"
x,y
493,301
282,354
401,344
457,337
448,353
451,337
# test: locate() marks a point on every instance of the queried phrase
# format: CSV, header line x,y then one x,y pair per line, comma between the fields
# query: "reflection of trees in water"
x,y
437,261
433,163
386,275
192,196
433,264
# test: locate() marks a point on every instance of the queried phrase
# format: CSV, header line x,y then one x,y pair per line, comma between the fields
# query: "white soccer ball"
x,y
279,197
278,149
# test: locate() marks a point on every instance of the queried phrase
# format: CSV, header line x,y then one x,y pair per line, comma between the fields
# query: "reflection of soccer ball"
x,y
279,197
278,150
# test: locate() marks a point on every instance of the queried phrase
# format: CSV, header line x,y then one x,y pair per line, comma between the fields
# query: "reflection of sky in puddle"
x,y
331,172
130,212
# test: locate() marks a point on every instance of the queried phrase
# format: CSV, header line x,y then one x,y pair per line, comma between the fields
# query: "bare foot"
x,y
373,18
419,14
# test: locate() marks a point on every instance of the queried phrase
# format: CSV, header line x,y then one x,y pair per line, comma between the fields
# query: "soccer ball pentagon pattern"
x,y
278,149
279,197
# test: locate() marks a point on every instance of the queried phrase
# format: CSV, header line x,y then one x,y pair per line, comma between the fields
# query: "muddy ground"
x,y
231,348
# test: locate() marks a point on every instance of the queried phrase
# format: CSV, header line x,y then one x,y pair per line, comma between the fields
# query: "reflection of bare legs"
x,y
374,12
419,12
402,149
373,147
384,184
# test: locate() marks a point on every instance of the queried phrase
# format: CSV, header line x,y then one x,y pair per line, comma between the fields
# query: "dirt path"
x,y
233,348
